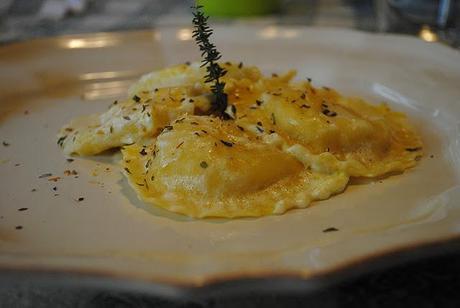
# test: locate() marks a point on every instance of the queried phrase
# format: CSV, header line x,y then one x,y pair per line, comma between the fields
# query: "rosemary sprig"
x,y
210,56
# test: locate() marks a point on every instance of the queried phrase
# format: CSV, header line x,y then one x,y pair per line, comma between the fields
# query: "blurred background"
x,y
431,20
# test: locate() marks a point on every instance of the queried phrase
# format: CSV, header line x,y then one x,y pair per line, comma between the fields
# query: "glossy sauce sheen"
x,y
288,144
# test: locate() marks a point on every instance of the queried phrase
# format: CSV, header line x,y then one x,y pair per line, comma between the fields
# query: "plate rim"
x,y
282,282
54,40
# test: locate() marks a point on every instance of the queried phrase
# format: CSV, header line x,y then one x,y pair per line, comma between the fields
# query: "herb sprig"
x,y
210,56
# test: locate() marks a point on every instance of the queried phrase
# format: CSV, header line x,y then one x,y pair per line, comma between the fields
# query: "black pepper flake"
x,y
240,128
303,96
148,114
204,131
179,120
308,79
126,118
194,123
271,131
136,98
22,209
273,119
331,229
17,165
155,90
305,106
115,102
80,199
226,143
18,227
60,141
431,156
274,75
258,102
33,190
182,99
179,145
127,170
259,123
204,164
196,133
329,113
191,101
143,108
54,188
143,152
69,160
413,149
187,63
240,65
260,129
45,175
111,129
152,178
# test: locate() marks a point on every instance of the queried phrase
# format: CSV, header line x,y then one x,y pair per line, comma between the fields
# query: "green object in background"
x,y
237,8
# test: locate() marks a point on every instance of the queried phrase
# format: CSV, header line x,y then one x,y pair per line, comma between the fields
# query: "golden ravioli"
x,y
371,140
287,144
202,166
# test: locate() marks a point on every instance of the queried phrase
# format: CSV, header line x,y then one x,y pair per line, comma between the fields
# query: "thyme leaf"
x,y
210,56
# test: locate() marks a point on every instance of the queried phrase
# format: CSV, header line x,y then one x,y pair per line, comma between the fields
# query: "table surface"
x,y
428,283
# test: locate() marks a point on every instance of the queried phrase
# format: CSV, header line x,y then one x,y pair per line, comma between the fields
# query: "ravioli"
x,y
285,145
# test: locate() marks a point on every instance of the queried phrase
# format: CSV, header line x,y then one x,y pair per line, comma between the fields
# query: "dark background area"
x,y
26,19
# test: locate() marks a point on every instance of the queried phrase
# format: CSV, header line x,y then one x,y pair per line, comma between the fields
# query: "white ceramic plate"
x,y
113,237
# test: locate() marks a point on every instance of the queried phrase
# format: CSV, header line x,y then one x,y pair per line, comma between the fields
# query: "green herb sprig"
x,y
210,56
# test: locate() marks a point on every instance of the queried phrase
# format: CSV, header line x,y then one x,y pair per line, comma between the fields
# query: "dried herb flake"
x,y
226,143
45,175
136,98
